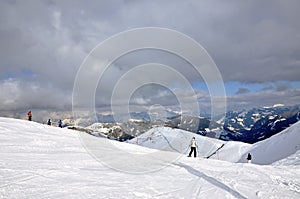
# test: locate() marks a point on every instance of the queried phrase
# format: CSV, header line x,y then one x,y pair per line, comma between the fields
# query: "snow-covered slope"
x,y
277,147
177,140
267,151
39,161
291,160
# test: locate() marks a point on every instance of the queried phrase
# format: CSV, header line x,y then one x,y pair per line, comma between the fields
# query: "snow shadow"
x,y
210,180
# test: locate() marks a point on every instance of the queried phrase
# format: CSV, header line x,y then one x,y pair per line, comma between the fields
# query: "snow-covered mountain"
x,y
40,161
268,151
247,126
119,131
176,140
259,123
198,125
127,130
139,116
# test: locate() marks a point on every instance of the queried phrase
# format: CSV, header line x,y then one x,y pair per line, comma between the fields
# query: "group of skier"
x,y
59,123
194,145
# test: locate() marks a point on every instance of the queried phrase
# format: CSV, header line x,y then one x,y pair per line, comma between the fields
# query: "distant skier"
x,y
249,157
193,146
29,114
59,123
49,122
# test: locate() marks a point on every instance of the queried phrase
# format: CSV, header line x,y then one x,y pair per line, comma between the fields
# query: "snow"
x,y
264,152
291,160
277,147
176,140
230,128
274,124
274,106
278,105
40,161
240,119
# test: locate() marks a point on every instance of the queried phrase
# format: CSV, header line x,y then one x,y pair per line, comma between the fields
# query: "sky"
x,y
254,44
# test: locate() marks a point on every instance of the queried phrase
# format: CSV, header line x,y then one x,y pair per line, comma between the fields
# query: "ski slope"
x,y
264,152
177,140
277,147
40,161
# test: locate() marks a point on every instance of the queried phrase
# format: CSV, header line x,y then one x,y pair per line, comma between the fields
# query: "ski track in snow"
x,y
288,184
39,161
210,180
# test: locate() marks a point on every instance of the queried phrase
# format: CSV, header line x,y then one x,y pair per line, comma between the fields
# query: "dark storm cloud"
x,y
19,94
268,88
250,41
259,99
282,86
242,91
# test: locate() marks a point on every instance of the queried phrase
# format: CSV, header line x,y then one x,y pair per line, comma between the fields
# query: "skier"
x,y
193,146
49,122
249,157
29,114
59,123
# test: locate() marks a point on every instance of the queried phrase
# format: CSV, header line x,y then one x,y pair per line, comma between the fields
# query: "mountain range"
x,y
259,123
248,126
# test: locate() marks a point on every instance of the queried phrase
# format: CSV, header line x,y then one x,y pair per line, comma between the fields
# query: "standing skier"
x,y
249,157
59,123
49,122
193,146
29,114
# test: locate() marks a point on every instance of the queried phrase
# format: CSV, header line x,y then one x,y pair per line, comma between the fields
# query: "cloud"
x,y
282,86
268,88
252,42
264,98
22,95
242,91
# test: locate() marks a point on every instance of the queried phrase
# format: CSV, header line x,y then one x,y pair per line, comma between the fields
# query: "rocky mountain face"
x,y
247,126
119,131
198,125
258,124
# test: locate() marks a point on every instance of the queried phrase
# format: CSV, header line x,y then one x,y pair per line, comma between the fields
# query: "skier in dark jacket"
x,y
49,122
193,146
249,157
59,123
